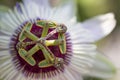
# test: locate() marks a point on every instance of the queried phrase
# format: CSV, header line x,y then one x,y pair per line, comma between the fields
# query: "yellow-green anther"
x,y
61,28
30,36
44,64
49,57
21,45
27,27
58,62
32,51
29,60
63,45
53,42
46,42
45,31
46,27
43,23
52,24
47,53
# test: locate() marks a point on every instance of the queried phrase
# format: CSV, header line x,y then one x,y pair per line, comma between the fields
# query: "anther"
x,y
58,62
20,45
61,28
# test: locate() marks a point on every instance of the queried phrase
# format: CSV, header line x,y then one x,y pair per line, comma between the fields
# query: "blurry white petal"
x,y
111,47
76,74
68,75
4,42
102,67
83,57
100,26
38,2
64,13
79,35
29,12
14,18
40,7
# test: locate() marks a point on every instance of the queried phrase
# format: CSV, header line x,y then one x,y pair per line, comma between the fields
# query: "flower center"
x,y
41,47
42,44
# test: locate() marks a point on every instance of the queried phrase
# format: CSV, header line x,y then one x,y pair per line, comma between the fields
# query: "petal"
x,y
82,58
100,26
111,47
86,59
39,2
64,13
78,34
102,67
4,42
76,75
41,8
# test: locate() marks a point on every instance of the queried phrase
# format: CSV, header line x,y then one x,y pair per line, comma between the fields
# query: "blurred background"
x,y
110,46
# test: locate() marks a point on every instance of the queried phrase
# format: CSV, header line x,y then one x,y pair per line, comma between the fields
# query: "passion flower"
x,y
38,42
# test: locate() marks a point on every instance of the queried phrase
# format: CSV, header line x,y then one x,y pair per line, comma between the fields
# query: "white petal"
x,y
60,76
84,47
5,33
41,9
4,53
6,26
24,13
29,9
81,63
68,75
79,35
86,60
83,57
111,47
102,67
19,15
4,42
38,2
100,26
76,75
64,13
14,18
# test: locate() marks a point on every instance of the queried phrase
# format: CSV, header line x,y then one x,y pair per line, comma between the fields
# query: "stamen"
x,y
60,29
42,44
41,47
